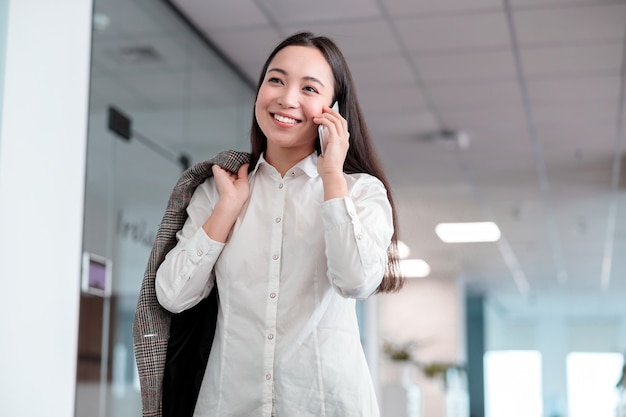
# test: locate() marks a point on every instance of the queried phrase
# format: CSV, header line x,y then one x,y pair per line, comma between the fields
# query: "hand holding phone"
x,y
322,131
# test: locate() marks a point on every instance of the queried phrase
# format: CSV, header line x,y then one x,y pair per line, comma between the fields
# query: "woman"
x,y
290,241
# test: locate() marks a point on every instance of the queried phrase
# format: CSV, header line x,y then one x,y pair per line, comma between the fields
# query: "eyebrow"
x,y
306,78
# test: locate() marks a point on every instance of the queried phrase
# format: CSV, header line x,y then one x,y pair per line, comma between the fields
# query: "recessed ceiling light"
x,y
414,268
468,232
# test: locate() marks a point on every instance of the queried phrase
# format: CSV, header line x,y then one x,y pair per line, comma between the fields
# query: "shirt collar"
x,y
307,166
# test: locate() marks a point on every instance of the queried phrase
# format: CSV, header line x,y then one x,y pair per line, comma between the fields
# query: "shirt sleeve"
x,y
358,231
186,275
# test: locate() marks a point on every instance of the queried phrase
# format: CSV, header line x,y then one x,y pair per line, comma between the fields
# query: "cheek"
x,y
260,105
313,110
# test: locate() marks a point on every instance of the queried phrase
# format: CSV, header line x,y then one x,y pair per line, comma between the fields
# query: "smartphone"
x,y
322,131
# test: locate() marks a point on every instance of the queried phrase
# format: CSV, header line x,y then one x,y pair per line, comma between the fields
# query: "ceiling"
x,y
536,85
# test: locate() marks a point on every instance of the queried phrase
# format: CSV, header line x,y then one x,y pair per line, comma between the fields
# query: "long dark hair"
x,y
361,157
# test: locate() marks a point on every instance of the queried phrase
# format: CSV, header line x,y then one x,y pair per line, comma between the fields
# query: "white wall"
x,y
42,166
429,311
4,11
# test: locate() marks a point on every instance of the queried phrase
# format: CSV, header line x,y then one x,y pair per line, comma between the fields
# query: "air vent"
x,y
137,55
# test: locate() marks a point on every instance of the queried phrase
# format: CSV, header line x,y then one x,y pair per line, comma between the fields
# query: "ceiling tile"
x,y
214,15
391,99
605,22
356,39
381,72
497,65
511,116
460,95
572,89
402,8
455,33
578,112
406,123
243,46
571,60
289,12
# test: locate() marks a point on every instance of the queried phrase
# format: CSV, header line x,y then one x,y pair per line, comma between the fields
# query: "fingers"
x,y
243,171
334,121
218,171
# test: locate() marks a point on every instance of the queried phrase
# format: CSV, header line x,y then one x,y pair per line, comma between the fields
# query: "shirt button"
x,y
280,185
277,219
268,376
273,295
199,252
275,257
293,174
270,336
359,237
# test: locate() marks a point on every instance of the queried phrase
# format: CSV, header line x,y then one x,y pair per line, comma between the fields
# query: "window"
x,y
591,383
513,383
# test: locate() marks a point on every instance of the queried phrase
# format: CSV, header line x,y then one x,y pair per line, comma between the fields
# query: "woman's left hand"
x,y
330,166
336,140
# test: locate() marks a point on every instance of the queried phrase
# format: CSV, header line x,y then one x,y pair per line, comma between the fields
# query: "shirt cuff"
x,y
337,212
201,246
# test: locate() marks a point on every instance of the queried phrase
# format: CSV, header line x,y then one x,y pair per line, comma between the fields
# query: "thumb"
x,y
243,171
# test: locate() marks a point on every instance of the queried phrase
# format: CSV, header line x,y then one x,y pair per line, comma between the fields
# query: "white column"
x,y
42,172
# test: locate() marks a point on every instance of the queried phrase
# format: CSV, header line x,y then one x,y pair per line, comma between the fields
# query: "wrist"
x,y
335,186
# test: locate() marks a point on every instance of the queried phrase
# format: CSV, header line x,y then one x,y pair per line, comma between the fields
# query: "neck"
x,y
284,159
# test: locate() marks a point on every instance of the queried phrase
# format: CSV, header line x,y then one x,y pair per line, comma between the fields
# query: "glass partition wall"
x,y
160,99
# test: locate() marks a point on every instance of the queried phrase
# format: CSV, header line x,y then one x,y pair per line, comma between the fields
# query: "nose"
x,y
288,98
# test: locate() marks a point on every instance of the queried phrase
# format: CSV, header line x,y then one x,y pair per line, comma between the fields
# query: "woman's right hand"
x,y
234,190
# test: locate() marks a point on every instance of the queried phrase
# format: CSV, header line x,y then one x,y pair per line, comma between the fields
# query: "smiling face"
x,y
297,84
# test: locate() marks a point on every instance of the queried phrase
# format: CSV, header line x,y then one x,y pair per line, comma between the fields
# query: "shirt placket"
x,y
273,289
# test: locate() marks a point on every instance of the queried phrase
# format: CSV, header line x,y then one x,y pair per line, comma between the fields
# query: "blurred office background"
x,y
503,111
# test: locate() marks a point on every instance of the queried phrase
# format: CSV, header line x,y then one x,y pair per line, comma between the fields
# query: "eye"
x,y
310,89
274,80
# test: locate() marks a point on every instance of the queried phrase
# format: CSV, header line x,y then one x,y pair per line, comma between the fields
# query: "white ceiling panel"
x,y
604,22
247,46
385,72
454,33
594,113
369,38
573,60
402,8
551,4
574,89
511,115
498,65
215,15
289,12
462,95
401,97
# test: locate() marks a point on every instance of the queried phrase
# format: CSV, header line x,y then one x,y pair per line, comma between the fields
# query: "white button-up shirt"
x,y
287,340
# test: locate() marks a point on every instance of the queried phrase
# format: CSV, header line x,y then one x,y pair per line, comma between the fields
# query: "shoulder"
x,y
206,191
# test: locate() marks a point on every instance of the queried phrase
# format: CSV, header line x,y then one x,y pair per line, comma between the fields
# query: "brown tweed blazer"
x,y
151,326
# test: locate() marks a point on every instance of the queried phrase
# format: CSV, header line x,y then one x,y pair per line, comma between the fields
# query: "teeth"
x,y
284,119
